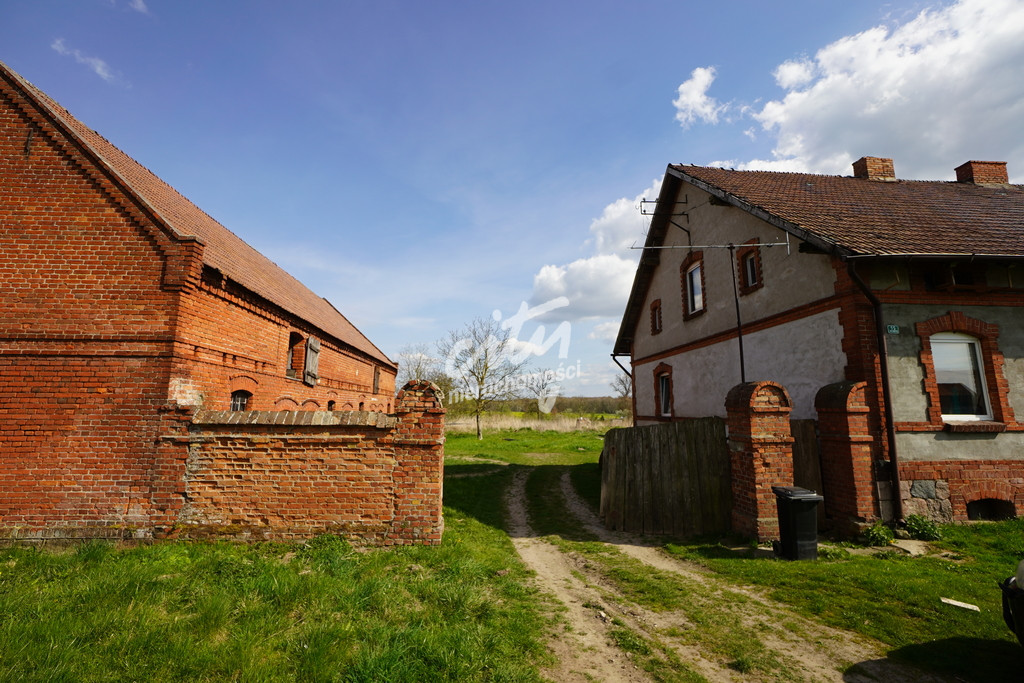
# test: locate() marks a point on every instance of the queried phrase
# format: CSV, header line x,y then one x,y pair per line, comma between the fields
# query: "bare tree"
x,y
543,386
623,385
480,359
420,361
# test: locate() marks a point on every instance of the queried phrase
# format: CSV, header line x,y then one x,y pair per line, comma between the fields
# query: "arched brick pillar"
x,y
761,455
847,454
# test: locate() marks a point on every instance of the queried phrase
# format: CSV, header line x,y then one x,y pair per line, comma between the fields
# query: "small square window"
x,y
240,399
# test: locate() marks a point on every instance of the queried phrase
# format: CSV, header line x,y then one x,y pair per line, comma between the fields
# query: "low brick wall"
x,y
372,477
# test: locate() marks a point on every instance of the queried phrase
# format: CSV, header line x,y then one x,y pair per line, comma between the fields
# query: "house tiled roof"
x,y
858,216
224,250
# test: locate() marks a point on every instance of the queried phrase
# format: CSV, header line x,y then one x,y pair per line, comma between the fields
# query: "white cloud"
x,y
621,223
931,92
139,6
793,74
606,331
99,67
598,285
693,102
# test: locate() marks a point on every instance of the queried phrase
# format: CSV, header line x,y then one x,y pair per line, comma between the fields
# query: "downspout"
x,y
883,366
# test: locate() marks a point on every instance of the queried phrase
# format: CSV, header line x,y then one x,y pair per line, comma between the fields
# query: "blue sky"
x,y
424,163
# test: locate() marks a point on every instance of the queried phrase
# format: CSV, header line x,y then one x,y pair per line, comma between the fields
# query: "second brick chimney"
x,y
982,172
874,168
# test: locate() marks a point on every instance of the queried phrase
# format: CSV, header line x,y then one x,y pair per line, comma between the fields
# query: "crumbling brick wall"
x,y
372,477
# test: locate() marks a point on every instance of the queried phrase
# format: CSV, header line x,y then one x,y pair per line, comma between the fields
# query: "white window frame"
x,y
694,288
978,358
665,394
750,269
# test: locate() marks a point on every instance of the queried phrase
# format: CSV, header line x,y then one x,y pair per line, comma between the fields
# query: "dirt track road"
x,y
593,642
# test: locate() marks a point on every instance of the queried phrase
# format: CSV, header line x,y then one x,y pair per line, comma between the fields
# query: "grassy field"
x,y
464,611
276,612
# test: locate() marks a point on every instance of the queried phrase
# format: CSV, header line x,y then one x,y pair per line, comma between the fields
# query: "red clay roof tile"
x,y
862,216
224,250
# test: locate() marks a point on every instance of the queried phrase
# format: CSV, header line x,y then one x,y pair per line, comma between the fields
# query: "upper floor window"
x,y
240,399
960,376
692,272
748,259
656,316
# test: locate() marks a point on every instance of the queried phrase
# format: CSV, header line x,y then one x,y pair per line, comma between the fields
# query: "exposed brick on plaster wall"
x,y
956,483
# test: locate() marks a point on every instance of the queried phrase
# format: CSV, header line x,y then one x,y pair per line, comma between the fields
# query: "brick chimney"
x,y
874,168
982,172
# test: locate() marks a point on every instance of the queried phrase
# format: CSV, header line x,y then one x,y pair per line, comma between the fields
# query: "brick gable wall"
x,y
110,339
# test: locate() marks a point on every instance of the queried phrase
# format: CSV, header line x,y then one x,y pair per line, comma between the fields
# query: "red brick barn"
x,y
125,309
891,311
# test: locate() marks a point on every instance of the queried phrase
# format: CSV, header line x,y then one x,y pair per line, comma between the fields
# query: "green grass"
x,y
525,447
896,598
276,612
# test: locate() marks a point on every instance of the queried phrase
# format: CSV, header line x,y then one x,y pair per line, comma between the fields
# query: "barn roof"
x,y
224,250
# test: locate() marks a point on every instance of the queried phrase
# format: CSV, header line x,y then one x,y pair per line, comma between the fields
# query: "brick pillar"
x,y
761,455
419,465
847,454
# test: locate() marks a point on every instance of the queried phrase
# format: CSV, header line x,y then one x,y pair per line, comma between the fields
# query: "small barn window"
x,y
295,355
240,399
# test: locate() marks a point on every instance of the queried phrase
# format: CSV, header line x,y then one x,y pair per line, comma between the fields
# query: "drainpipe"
x,y
883,366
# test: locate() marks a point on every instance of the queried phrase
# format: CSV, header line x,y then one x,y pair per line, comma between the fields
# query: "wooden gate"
x,y
674,478
671,478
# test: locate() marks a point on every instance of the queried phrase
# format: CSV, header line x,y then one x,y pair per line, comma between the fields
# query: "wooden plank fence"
x,y
674,478
671,478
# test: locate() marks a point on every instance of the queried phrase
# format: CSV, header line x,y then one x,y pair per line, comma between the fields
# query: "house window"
x,y
960,376
692,275
750,277
656,316
749,264
663,390
240,399
963,373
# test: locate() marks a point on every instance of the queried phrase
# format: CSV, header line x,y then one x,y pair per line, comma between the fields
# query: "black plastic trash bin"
x,y
798,522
